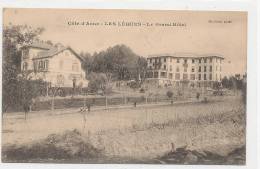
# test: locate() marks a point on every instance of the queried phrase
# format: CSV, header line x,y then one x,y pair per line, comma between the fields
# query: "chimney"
x,y
59,46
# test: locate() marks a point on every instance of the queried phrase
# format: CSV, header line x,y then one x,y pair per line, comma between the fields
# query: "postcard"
x,y
124,86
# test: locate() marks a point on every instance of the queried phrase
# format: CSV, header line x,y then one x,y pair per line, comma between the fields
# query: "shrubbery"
x,y
169,94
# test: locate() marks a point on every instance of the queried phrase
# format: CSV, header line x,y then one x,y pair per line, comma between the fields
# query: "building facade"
x,y
56,64
184,69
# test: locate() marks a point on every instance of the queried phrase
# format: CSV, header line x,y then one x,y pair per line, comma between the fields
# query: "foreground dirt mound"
x,y
68,145
183,156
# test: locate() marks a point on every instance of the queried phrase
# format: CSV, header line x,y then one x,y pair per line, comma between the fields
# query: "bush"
x,y
198,95
142,90
169,94
68,145
97,81
133,84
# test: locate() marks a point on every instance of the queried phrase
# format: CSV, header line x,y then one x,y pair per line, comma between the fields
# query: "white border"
x,y
209,5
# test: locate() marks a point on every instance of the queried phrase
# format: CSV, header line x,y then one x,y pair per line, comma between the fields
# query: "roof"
x,y
186,55
50,50
40,45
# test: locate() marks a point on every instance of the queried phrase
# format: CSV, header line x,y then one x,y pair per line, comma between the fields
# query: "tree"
x,y
28,90
169,94
87,62
118,62
14,37
97,81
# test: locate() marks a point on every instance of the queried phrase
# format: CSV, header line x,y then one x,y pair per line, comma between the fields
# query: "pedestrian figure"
x,y
134,104
88,106
173,147
26,108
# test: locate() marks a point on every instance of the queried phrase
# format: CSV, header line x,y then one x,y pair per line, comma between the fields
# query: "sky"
x,y
202,32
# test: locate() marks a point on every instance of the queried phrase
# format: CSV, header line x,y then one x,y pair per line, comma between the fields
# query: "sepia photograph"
x,y
124,86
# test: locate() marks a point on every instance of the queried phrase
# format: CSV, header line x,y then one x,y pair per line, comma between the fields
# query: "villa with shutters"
x,y
184,69
56,64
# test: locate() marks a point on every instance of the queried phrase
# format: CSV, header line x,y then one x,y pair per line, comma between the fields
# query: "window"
x,y
199,68
177,76
25,54
178,60
164,59
34,65
192,69
170,75
156,75
150,60
25,66
170,67
60,80
205,60
61,64
216,76
185,60
185,76
210,76
193,61
199,60
220,68
205,76
199,76
46,64
170,59
216,67
75,67
163,75
210,68
164,67
210,60
192,77
220,61
205,68
40,65
177,69
149,74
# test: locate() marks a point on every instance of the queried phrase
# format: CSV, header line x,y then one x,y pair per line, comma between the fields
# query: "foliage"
x,y
142,90
133,84
118,62
97,81
232,83
14,37
28,89
169,94
235,82
216,85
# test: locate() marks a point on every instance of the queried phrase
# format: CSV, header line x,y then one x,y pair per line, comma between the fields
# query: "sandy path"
x,y
115,131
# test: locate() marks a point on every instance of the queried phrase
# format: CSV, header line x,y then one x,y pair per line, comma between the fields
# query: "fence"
x,y
74,102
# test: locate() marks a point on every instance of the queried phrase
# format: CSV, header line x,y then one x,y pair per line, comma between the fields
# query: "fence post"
x,y
84,104
106,101
52,103
47,90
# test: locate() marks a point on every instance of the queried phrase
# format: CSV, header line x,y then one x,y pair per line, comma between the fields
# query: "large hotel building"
x,y
184,69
